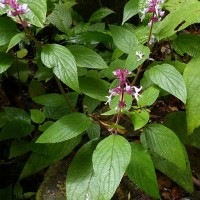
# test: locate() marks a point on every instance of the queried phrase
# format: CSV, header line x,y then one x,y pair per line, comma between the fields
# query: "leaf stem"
x,y
72,109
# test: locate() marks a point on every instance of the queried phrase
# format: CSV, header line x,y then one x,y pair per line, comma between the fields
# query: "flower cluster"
x,y
122,88
15,7
153,6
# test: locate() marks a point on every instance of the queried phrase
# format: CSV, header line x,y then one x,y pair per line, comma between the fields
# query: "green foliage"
x,y
65,128
110,160
138,173
169,79
58,69
192,83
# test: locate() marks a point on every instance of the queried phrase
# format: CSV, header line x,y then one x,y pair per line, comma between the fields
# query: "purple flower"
x,y
15,7
123,88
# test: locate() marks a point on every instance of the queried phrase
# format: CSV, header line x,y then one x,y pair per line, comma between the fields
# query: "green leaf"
x,y
65,128
99,14
22,53
139,118
16,113
94,131
181,177
185,43
36,88
63,63
133,61
138,173
87,58
97,90
51,99
130,9
15,129
123,38
163,142
37,14
47,154
5,62
37,116
192,82
61,18
81,182
148,96
8,30
89,104
179,19
169,79
15,40
110,160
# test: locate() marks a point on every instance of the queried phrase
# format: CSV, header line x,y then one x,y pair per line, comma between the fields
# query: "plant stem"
x,y
139,70
72,109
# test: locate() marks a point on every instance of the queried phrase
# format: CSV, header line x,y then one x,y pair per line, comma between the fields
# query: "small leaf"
x,y
15,40
5,62
133,61
97,90
163,142
110,160
148,96
63,63
81,182
36,88
61,18
130,9
169,79
37,116
46,155
87,58
191,77
22,53
15,129
123,38
99,14
139,118
65,128
37,13
89,104
138,173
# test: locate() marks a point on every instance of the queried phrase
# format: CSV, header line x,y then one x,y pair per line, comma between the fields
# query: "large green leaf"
x,y
16,129
37,13
100,14
94,88
187,43
87,58
8,29
61,18
5,62
123,38
141,170
63,63
47,154
182,177
192,81
130,9
169,79
163,142
110,160
65,128
179,19
81,182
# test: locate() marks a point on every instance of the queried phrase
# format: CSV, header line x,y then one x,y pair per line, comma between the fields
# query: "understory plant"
x,y
107,80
